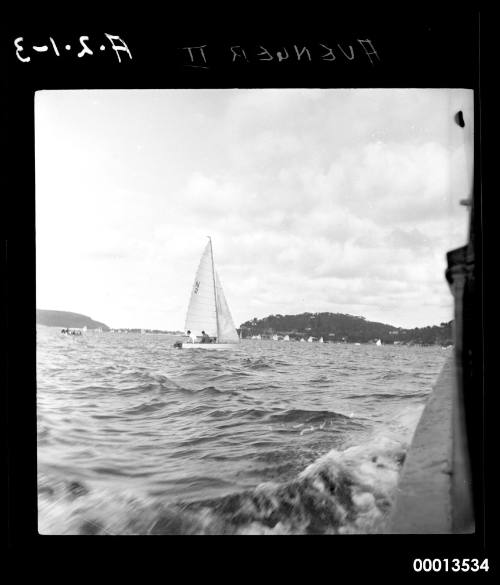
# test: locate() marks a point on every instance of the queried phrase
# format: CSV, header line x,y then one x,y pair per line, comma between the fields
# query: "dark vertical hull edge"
x,y
439,490
434,494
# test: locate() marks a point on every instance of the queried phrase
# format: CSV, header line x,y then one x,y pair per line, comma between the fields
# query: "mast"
x,y
215,288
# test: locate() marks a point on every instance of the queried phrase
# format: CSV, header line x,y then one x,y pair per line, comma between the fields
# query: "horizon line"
x,y
259,319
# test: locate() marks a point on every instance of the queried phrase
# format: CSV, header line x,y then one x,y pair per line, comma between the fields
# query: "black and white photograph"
x,y
242,310
249,293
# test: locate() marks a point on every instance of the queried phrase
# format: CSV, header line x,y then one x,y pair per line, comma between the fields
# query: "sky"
x,y
339,200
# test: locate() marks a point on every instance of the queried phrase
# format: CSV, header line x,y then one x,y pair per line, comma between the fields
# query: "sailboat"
x,y
208,310
286,338
310,339
321,340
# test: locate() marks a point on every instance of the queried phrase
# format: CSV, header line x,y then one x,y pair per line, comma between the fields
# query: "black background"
x,y
415,50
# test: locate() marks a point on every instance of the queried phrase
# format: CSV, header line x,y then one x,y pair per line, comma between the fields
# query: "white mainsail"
x,y
208,309
201,313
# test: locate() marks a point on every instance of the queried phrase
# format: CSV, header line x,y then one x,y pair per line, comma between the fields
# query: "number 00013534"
x,y
450,565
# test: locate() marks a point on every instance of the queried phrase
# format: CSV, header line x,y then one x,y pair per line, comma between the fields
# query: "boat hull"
x,y
208,345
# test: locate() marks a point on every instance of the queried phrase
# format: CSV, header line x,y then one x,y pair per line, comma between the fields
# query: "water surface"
x,y
137,437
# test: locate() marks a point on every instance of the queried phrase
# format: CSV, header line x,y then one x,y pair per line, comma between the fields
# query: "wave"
x,y
388,395
127,383
145,408
342,492
307,416
258,363
144,382
207,391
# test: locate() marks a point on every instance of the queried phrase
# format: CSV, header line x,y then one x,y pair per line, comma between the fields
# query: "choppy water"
x,y
137,437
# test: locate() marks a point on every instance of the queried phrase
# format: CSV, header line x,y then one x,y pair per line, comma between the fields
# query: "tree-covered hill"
x,y
341,327
67,319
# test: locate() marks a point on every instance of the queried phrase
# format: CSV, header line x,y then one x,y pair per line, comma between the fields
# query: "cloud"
x,y
413,239
315,200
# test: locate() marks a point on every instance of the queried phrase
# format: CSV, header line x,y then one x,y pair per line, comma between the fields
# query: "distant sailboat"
x,y
275,337
321,340
302,339
208,310
310,339
379,342
286,338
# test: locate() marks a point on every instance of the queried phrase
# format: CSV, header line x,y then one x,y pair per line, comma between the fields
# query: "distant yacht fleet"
x,y
78,331
310,339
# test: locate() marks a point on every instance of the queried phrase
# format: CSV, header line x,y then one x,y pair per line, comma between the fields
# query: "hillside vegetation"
x,y
349,328
67,319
